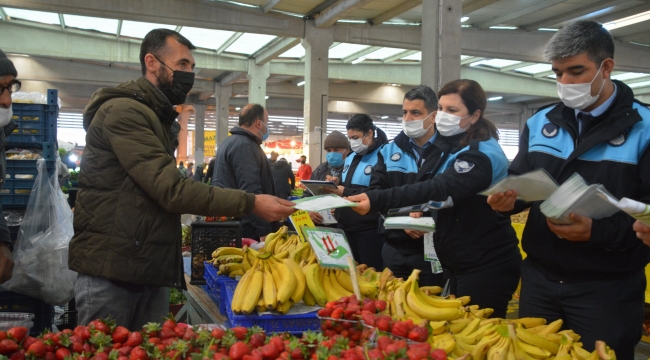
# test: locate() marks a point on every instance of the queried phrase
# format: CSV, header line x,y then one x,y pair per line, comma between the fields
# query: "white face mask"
x,y
449,124
415,128
5,115
358,146
578,96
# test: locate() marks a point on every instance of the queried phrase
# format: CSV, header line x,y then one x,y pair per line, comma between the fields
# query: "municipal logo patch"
x,y
345,169
463,167
367,170
396,156
619,140
550,130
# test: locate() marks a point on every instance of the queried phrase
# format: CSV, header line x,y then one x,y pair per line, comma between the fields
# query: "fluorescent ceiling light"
x,y
639,84
344,50
495,98
495,63
546,29
36,16
416,57
91,23
503,27
464,57
628,76
626,21
466,26
297,51
206,38
384,53
356,61
385,117
464,18
535,69
249,43
137,29
237,108
266,97
301,83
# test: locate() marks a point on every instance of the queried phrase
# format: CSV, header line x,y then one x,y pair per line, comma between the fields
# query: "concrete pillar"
x,y
183,117
441,42
199,135
222,95
316,43
257,75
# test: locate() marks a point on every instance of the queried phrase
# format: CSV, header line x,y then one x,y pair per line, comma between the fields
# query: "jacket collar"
x,y
241,131
156,101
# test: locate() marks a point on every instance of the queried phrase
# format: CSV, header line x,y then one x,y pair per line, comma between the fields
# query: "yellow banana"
x,y
439,327
308,297
433,290
287,284
467,347
225,259
335,283
579,352
296,255
551,328
399,299
458,325
299,277
464,300
271,239
283,308
471,327
253,291
447,345
536,340
234,274
500,350
269,291
425,310
369,290
260,307
240,290
530,322
226,250
534,329
480,351
555,338
314,281
333,293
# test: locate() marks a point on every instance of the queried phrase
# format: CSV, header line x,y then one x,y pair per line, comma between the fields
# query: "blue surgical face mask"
x,y
334,158
265,135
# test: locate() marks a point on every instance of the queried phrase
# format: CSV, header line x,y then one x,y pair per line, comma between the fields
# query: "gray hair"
x,y
424,93
579,37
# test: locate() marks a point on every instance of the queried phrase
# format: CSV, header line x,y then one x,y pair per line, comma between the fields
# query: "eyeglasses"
x,y
12,88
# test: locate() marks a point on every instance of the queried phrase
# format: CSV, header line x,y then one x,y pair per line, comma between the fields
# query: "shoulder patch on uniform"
x,y
550,130
463,166
367,170
345,168
396,156
619,139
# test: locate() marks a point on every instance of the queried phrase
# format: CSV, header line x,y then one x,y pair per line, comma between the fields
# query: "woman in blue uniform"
x,y
475,245
361,230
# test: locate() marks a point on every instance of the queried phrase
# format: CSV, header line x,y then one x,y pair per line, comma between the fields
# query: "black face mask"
x,y
180,86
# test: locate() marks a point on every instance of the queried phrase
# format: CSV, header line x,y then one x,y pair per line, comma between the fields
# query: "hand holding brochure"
x,y
322,202
635,209
425,224
575,196
536,185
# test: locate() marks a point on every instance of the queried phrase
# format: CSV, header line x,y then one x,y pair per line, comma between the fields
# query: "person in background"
x,y
190,170
361,230
304,170
209,172
242,164
126,246
182,169
282,175
337,148
589,273
274,157
476,246
8,85
198,175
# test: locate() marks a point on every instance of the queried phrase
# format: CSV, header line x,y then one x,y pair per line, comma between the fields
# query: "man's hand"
x,y
271,208
642,232
6,263
316,218
334,179
415,234
338,191
504,201
580,230
363,203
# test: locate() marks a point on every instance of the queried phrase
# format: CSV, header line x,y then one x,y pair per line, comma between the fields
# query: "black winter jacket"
x,y
281,175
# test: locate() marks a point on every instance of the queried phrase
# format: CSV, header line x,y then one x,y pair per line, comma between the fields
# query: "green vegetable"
x,y
176,297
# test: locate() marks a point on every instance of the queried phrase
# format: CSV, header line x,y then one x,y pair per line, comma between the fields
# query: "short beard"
x,y
161,77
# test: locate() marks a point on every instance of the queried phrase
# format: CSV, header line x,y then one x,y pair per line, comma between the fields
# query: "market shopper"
x,y
474,244
589,273
241,164
190,170
283,178
304,170
126,246
209,172
182,169
8,85
361,230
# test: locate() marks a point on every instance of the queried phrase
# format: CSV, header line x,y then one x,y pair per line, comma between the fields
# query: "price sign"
x,y
301,219
330,245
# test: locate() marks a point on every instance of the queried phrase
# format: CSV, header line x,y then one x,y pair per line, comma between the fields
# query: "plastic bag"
x,y
41,252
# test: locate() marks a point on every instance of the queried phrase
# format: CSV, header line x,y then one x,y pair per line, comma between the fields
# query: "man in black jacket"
x,y
241,164
282,175
589,273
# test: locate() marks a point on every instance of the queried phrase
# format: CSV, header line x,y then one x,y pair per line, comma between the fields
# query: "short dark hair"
x,y
424,93
155,42
181,163
360,122
303,156
250,114
581,36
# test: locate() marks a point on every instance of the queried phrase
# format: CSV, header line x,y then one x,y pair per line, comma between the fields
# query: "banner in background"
x,y
209,143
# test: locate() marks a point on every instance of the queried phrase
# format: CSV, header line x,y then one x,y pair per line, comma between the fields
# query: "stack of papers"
x,y
635,209
576,196
536,185
323,202
406,222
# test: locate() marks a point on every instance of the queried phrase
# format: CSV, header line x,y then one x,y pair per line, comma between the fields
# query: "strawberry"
x,y
337,313
103,325
120,334
240,332
279,344
418,334
217,333
28,342
383,342
17,333
189,335
18,355
257,340
370,306
100,356
220,356
49,355
3,335
438,354
62,353
418,351
124,351
134,339
375,354
380,305
367,317
87,348
36,349
325,312
391,349
238,350
180,331
154,340
8,346
351,312
169,323
82,332
167,334
138,353
400,328
270,352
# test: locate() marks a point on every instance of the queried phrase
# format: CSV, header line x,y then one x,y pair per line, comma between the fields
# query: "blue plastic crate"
x,y
293,324
19,181
36,122
215,285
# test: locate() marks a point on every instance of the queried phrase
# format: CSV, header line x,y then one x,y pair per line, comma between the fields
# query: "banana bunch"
x,y
324,285
280,242
229,261
271,283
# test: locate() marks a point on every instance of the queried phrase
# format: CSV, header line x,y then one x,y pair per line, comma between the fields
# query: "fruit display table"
x,y
200,309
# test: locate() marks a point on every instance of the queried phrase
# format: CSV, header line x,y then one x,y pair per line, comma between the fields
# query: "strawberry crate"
x,y
36,122
19,181
215,286
293,324
14,302
206,238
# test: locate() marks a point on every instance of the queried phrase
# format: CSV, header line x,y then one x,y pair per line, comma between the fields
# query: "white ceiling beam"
x,y
515,66
62,22
119,29
361,53
573,14
270,5
231,78
398,56
274,50
470,7
404,37
3,14
473,59
229,42
395,11
210,15
645,6
337,11
537,5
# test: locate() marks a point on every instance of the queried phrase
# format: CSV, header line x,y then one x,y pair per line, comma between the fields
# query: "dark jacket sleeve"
x,y
292,177
379,177
449,183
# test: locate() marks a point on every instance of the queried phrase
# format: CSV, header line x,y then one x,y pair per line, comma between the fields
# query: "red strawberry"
x,y
100,356
76,347
220,356
124,351
180,331
120,334
3,334
400,328
122,358
167,334
49,355
8,346
351,312
337,313
28,342
257,340
380,305
418,351
138,353
383,342
279,344
100,325
269,352
172,354
325,312
438,354
238,350
382,324
17,333
154,341
88,348
134,339
189,335
375,354
332,357
169,323
368,318
218,333
18,355
418,334
240,332
370,306
36,349
82,332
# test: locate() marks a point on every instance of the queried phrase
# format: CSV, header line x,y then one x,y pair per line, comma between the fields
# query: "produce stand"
x,y
199,308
